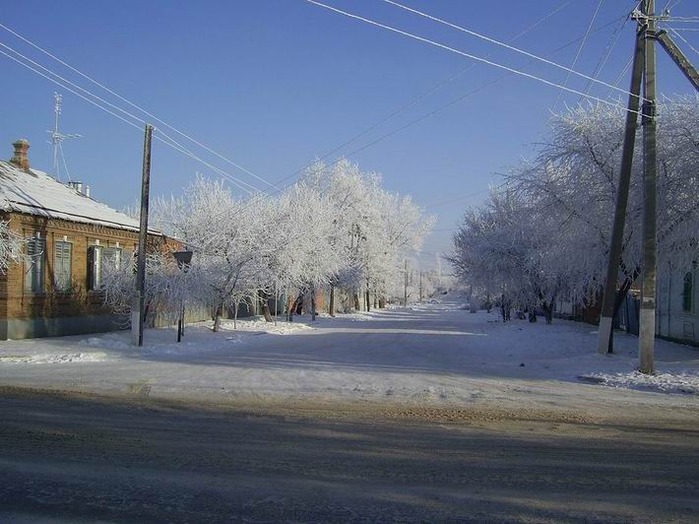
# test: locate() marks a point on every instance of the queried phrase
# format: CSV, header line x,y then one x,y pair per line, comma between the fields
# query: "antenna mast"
x,y
57,138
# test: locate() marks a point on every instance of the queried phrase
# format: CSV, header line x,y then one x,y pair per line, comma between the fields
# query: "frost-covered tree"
x,y
569,191
226,236
300,251
373,230
11,246
502,249
164,290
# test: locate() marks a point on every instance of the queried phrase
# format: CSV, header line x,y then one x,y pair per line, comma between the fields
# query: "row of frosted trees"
x,y
336,230
545,232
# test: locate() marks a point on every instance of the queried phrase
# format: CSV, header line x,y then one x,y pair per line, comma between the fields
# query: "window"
x,y
62,265
687,292
99,259
34,274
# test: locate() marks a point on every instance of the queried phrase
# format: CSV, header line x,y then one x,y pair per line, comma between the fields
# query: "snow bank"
x,y
431,353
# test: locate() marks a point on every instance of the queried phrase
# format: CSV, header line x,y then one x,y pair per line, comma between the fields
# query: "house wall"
x,y
3,306
24,314
672,321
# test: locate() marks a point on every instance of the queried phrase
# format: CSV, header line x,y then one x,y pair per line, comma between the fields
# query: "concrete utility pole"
x,y
678,57
138,312
646,342
609,297
645,39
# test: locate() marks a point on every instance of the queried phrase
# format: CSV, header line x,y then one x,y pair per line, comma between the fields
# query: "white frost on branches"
x,y
11,246
548,231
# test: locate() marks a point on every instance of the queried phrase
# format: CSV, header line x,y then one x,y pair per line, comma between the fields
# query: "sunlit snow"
x,y
437,353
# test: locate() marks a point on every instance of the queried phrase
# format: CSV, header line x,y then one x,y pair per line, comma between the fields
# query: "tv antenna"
x,y
57,138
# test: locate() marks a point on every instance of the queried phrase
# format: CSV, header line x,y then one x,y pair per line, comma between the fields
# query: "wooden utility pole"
x,y
646,342
138,312
609,298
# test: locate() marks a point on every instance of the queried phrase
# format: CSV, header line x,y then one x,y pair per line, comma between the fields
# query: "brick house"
x,y
70,238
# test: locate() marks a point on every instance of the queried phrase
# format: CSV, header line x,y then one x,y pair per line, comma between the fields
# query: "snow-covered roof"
x,y
36,193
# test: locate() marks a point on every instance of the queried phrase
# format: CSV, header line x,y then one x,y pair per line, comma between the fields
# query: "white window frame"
x,y
100,256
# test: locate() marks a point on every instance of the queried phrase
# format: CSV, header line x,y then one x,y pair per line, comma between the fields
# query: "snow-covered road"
x,y
430,355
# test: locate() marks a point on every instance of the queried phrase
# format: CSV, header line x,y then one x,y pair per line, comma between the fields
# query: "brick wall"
x,y
17,303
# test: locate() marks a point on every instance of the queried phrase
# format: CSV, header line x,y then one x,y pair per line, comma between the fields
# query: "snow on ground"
x,y
437,353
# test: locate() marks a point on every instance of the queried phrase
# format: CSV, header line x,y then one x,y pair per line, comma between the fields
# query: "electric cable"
x,y
684,40
577,54
155,118
570,70
432,90
424,117
611,44
463,53
178,147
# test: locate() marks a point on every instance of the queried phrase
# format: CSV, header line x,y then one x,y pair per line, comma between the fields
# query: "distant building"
x,y
70,239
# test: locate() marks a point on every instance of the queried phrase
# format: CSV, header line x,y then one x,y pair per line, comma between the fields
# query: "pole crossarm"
x,y
678,57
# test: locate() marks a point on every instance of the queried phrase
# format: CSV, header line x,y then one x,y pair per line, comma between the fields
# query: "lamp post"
x,y
183,259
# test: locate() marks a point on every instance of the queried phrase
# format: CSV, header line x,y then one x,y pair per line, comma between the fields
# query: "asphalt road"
x,y
82,458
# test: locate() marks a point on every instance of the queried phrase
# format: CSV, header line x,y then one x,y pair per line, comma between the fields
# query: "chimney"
x,y
78,186
21,156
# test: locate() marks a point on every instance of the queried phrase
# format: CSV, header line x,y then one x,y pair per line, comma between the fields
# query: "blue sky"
x,y
273,84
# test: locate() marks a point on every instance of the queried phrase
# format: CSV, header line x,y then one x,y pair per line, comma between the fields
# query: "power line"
x,y
577,55
462,53
457,199
611,44
69,89
433,89
570,70
431,113
423,117
439,109
179,147
684,40
155,118
64,83
408,105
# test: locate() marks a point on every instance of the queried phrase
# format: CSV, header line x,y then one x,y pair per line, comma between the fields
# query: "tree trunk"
x,y
217,317
503,309
548,312
264,300
331,306
313,303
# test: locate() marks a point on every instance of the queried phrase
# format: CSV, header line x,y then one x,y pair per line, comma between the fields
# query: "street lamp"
x,y
183,259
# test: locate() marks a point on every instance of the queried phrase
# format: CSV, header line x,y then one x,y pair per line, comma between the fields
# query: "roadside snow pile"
x,y
115,341
53,359
281,327
683,382
358,317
